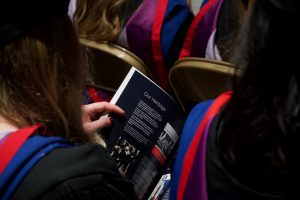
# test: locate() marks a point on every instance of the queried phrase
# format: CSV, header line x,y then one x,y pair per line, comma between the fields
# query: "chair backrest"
x,y
197,79
110,63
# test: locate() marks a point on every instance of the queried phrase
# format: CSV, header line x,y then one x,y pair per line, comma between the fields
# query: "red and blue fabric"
x,y
189,175
188,132
153,30
204,2
201,29
177,19
19,152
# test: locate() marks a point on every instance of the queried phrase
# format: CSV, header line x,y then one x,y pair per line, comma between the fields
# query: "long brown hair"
x,y
98,20
41,78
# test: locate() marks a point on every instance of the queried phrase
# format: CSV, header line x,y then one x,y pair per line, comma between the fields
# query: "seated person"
x,y
214,29
244,144
97,21
155,32
48,147
161,34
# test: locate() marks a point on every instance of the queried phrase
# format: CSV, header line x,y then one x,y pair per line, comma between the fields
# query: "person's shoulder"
x,y
83,171
191,124
197,113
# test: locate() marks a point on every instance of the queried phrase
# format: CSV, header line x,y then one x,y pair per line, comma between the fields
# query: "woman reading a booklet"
x,y
245,143
45,151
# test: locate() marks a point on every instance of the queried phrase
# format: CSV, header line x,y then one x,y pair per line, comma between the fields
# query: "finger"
x,y
105,107
93,127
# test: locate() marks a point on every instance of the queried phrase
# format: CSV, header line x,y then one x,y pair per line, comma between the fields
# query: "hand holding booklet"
x,y
143,142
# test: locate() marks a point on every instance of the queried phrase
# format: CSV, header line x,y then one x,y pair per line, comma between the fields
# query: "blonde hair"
x,y
41,78
98,20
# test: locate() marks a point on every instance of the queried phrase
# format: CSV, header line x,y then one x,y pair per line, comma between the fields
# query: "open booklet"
x,y
142,143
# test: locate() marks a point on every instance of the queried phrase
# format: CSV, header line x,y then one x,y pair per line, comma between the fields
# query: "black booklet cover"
x,y
143,142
